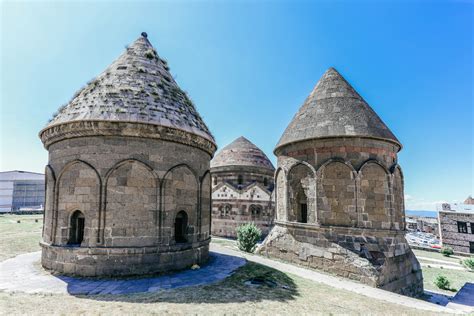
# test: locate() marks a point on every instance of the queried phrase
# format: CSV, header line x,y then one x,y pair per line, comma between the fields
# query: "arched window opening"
x,y
240,180
255,210
265,182
76,231
214,180
181,227
302,207
227,209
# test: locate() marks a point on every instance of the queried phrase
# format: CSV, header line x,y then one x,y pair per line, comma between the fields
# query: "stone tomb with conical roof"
x,y
128,181
242,186
339,192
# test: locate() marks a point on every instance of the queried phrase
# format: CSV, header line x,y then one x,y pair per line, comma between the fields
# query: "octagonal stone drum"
x,y
128,188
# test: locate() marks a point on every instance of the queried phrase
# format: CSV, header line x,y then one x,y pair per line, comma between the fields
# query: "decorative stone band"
x,y
241,168
98,250
122,261
277,151
342,149
355,231
55,133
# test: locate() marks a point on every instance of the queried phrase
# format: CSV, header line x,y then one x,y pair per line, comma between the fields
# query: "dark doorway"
x,y
471,246
304,213
76,232
180,227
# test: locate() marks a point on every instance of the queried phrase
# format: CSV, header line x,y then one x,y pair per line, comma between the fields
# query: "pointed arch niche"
x,y
180,193
78,188
131,205
337,195
301,194
374,197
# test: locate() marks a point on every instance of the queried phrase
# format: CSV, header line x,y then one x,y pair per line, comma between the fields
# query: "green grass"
x,y
436,255
457,278
17,238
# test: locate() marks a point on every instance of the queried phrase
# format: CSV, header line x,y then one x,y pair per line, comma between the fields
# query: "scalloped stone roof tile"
x,y
241,152
136,87
334,109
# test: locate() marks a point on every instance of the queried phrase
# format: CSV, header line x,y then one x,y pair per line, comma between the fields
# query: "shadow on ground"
x,y
250,282
464,297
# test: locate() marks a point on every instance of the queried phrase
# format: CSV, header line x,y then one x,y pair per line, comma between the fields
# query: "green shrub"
x,y
469,263
149,54
247,237
447,251
442,282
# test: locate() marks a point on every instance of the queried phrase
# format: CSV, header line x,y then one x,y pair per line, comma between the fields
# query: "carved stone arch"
x,y
180,192
331,160
398,198
280,192
337,194
49,203
131,205
301,194
373,161
124,161
205,206
299,162
78,187
374,198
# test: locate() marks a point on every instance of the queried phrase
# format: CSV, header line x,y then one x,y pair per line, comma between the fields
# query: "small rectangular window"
x,y
462,227
472,228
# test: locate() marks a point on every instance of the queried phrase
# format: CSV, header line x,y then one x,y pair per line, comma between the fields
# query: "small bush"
x,y
447,251
442,282
469,263
149,54
247,237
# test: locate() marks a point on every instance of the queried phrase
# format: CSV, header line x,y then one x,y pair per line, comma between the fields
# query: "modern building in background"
x,y
242,186
422,224
21,191
456,225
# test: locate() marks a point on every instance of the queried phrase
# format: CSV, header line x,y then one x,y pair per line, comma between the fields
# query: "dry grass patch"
x,y
290,295
18,238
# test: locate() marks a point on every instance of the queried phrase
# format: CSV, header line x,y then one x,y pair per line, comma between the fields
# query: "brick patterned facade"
x,y
456,230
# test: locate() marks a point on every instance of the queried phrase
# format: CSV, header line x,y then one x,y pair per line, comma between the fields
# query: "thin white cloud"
x,y
421,204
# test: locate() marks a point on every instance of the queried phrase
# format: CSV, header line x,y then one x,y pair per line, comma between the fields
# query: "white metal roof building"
x,y
21,191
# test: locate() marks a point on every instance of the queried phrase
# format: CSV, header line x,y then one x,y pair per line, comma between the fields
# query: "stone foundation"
x,y
379,258
122,261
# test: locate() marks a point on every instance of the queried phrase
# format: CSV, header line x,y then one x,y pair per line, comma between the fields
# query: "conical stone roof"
x,y
241,152
335,109
137,87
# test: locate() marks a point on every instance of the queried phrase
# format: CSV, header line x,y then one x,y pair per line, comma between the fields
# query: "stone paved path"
x,y
23,274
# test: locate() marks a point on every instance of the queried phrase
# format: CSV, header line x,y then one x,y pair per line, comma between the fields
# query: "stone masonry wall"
x,y
129,190
355,182
450,236
227,215
358,226
240,206
379,259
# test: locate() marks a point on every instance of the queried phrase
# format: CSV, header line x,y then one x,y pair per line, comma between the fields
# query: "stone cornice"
x,y
355,231
279,148
68,130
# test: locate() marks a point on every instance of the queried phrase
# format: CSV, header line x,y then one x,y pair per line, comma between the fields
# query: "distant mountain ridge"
x,y
422,213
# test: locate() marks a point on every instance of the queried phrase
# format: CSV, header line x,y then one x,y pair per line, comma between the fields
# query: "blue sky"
x,y
249,66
